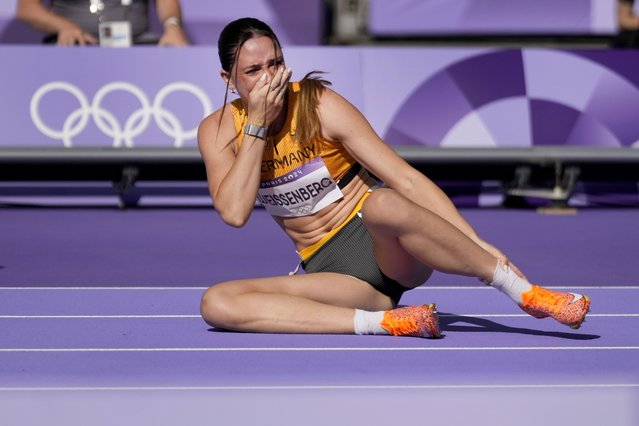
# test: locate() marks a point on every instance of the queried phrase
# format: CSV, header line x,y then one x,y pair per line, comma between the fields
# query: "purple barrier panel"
x,y
421,17
514,98
412,96
141,97
104,97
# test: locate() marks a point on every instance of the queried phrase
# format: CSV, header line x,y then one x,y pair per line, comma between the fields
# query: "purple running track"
x,y
192,247
99,320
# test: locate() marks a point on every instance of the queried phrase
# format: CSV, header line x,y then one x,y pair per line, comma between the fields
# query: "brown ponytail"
x,y
309,128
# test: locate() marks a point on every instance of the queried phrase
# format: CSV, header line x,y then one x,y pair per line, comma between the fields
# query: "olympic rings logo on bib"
x,y
123,134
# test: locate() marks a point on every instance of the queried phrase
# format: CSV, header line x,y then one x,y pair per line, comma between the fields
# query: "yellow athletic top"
x,y
298,178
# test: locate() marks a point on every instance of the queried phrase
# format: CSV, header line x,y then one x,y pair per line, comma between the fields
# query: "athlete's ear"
x,y
227,80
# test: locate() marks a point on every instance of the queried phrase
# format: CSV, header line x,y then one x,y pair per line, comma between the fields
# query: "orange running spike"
x,y
568,308
421,321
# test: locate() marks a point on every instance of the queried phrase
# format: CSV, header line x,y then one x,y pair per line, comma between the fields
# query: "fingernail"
x,y
263,77
282,70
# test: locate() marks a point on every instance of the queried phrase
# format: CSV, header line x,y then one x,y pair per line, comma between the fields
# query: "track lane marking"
x,y
190,316
328,349
421,288
317,387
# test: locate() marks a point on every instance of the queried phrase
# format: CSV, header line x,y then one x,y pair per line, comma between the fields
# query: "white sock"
x,y
367,322
509,283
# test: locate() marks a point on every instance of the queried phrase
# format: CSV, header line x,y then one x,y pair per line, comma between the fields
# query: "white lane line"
x,y
528,316
318,387
198,316
139,288
95,316
327,349
483,287
425,287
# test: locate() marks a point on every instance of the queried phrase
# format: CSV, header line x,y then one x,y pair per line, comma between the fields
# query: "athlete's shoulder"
x,y
218,123
333,104
223,115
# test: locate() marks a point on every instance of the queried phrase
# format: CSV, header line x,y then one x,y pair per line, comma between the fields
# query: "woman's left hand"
x,y
503,259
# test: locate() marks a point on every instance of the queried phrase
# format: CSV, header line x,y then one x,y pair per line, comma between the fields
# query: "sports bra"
x,y
298,178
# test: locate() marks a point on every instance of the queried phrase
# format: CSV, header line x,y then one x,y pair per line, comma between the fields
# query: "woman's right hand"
x,y
501,257
71,34
267,97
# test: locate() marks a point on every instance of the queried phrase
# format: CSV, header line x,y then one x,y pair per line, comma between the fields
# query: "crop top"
x,y
298,178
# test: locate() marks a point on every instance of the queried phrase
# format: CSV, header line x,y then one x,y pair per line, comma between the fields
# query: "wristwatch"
x,y
255,130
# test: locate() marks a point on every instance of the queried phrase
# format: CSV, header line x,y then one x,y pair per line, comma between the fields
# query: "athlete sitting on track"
x,y
304,152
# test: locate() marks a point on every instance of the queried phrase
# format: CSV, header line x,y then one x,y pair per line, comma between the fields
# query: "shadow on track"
x,y
462,323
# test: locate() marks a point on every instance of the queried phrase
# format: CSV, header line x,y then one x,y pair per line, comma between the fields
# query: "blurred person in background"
x,y
104,22
628,24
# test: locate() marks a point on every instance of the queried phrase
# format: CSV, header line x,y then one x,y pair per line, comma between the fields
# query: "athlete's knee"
x,y
216,306
380,208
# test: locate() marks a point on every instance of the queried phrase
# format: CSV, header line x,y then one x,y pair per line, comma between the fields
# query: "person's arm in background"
x,y
170,15
34,13
626,18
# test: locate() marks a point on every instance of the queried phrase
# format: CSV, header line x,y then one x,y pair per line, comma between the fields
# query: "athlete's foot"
x,y
568,308
421,321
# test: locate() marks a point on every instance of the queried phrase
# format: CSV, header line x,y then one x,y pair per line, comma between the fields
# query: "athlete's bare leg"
x,y
410,241
306,303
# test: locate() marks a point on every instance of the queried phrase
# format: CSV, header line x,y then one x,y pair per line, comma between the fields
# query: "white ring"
x,y
108,123
116,131
68,131
157,107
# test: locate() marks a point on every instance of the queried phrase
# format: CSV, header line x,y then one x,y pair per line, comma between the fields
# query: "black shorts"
x,y
350,252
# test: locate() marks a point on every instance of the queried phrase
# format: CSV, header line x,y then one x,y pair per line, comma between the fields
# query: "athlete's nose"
x,y
271,73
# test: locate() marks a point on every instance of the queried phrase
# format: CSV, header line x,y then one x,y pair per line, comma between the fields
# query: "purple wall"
x,y
422,17
144,96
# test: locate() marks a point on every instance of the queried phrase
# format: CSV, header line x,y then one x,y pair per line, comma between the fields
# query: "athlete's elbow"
x,y
235,219
232,213
234,209
235,222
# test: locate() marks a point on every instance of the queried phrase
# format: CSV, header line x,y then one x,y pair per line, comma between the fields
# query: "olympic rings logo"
x,y
108,123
